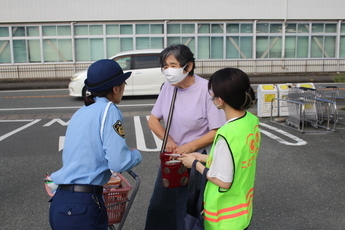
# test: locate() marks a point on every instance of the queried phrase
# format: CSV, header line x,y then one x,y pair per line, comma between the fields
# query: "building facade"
x,y
46,38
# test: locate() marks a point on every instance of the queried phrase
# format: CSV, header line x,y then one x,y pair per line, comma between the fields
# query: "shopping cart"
x,y
302,107
330,93
117,201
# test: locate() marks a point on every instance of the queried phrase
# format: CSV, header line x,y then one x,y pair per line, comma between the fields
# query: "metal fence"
x,y
204,68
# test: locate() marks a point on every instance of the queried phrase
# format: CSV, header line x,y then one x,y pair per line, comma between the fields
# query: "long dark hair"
x,y
233,87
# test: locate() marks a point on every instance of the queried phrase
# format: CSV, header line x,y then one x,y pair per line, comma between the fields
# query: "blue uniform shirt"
x,y
90,153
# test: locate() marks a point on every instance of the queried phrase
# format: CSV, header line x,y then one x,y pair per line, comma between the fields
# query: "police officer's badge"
x,y
119,129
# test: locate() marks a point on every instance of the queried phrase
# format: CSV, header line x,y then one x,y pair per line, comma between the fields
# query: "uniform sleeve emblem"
x,y
119,129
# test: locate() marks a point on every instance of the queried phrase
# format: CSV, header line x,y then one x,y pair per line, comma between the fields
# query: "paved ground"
x,y
49,83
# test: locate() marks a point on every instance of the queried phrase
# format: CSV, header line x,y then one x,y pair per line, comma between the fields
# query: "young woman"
x,y
193,126
95,144
228,196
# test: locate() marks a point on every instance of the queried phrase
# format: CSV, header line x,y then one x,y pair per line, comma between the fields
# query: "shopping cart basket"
x,y
117,201
305,110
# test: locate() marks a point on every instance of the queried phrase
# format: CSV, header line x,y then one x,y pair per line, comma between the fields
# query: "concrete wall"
x,y
17,11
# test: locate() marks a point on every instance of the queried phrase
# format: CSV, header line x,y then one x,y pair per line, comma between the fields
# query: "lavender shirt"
x,y
194,114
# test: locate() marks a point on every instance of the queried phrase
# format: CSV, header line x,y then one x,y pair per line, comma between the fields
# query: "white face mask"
x,y
175,75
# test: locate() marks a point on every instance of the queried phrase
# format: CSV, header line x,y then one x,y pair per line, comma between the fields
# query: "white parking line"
x,y
19,129
69,107
298,141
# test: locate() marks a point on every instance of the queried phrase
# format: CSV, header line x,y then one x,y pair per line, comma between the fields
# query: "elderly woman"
x,y
194,124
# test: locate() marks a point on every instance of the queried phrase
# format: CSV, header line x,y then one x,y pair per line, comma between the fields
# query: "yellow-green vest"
x,y
232,209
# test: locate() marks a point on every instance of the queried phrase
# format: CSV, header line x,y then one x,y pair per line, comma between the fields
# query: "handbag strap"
x,y
193,188
166,133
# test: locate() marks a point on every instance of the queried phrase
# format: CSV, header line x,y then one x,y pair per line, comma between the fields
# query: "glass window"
x,y
233,28
33,31
317,28
217,48
50,50
342,30
232,47
57,50
126,29
246,47
5,51
246,28
142,29
330,46
275,47
173,28
49,30
157,43
291,28
302,46
126,44
203,47
34,51
63,30
112,46
19,51
276,28
81,30
190,42
112,29
96,49
95,30
303,28
203,28
124,62
290,45
261,47
188,28
330,28
4,32
143,43
156,29
342,47
145,61
217,28
173,40
82,49
262,28
18,31
316,47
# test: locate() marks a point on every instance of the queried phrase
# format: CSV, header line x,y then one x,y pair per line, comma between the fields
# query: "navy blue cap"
x,y
104,74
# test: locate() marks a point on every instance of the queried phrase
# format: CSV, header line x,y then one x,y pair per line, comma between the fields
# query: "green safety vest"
x,y
232,208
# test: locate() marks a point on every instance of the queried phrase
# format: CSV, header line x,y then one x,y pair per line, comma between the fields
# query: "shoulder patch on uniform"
x,y
119,129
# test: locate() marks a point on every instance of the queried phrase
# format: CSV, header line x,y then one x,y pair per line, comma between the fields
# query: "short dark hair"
x,y
181,52
233,87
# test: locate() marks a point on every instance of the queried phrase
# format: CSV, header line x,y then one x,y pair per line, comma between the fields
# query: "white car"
x,y
146,79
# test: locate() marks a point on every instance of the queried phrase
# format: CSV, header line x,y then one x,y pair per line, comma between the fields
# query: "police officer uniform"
x,y
94,145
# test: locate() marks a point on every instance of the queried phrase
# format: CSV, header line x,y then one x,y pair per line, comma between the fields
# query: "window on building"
x,y
4,32
239,47
5,51
57,50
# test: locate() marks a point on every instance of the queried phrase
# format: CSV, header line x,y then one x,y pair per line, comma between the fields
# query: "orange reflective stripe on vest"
x,y
218,216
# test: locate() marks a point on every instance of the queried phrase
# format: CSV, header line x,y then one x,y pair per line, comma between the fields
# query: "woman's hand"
x,y
186,148
170,146
187,159
200,157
